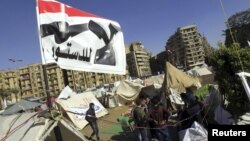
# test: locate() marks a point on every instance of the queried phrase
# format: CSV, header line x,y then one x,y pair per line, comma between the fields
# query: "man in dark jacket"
x,y
159,115
91,118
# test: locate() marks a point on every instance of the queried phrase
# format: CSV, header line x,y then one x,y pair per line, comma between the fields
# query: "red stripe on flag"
x,y
55,7
76,12
48,7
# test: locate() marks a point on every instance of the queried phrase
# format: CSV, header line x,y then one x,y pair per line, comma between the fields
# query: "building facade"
x,y
158,63
185,48
30,82
138,61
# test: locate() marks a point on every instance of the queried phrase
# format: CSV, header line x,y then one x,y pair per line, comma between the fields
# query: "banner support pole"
x,y
49,104
57,130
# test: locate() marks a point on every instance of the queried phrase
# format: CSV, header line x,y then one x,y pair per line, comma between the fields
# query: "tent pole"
x,y
49,104
57,130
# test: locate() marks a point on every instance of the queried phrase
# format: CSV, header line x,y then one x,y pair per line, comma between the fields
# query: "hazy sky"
x,y
148,21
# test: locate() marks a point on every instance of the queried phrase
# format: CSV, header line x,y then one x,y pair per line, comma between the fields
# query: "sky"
x,y
150,21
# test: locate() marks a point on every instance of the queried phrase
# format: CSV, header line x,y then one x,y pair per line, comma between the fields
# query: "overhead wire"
x,y
235,45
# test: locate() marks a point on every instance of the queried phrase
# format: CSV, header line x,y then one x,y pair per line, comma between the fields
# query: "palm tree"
x,y
4,93
14,91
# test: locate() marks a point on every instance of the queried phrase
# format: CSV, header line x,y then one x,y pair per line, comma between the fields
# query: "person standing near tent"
x,y
193,110
159,115
146,108
91,118
140,119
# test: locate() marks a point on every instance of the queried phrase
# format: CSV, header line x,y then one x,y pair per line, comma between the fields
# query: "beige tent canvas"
x,y
127,92
178,80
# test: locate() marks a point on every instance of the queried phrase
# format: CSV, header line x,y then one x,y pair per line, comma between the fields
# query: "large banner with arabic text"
x,y
78,40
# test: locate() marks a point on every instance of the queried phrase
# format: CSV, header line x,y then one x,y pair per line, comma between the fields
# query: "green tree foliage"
x,y
226,63
239,19
240,29
4,93
202,92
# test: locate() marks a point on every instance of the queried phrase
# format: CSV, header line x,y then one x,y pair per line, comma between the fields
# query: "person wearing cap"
x,y
91,118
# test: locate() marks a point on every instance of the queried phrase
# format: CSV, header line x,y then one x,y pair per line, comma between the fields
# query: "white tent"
x,y
30,127
77,105
200,71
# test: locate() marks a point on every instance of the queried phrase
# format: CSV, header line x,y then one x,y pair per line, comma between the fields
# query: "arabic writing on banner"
x,y
78,40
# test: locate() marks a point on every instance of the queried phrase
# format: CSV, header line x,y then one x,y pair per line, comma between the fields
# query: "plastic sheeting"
x,y
213,99
21,105
222,116
195,133
66,93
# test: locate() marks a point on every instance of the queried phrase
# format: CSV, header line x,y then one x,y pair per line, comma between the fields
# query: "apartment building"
x,y
158,63
30,82
55,79
185,47
9,80
138,60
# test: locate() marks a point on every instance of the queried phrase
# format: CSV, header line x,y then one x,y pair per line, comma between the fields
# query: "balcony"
x,y
26,89
24,73
10,76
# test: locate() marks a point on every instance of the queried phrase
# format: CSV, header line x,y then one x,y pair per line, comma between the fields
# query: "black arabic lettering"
x,y
106,54
74,55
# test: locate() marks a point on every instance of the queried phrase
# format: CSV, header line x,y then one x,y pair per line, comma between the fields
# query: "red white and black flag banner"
x,y
78,40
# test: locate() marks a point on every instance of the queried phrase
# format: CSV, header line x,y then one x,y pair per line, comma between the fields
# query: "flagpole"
x,y
57,130
49,104
46,87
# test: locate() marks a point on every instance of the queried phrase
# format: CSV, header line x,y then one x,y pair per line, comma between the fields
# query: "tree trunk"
x,y
16,97
4,103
